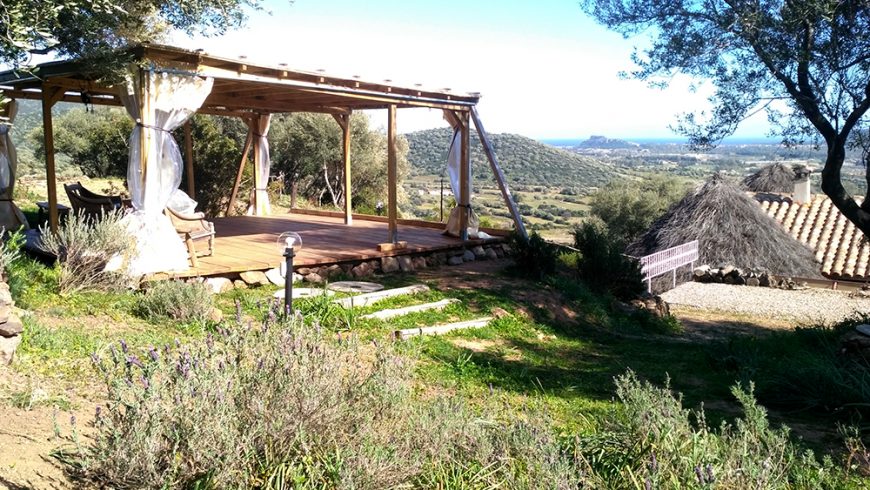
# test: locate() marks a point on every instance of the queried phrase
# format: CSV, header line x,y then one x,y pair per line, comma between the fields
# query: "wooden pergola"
x,y
245,90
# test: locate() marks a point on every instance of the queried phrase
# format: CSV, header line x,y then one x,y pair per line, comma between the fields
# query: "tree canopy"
x,y
813,55
96,28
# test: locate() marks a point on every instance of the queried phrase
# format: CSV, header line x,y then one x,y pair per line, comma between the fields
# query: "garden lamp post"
x,y
289,243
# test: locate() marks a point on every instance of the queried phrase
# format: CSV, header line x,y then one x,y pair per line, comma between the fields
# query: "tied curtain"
x,y
263,165
454,161
11,218
159,102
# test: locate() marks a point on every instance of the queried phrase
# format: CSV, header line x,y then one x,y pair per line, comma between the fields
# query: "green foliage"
x,y
10,250
185,302
84,247
309,146
285,405
217,150
533,258
629,207
94,29
602,264
525,160
656,443
95,141
804,370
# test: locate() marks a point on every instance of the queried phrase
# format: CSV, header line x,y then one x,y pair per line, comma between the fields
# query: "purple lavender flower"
x,y
653,463
145,383
134,361
72,420
114,353
123,345
699,475
152,353
710,477
98,411
647,484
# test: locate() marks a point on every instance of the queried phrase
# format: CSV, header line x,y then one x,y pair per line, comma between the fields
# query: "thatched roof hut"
x,y
731,229
778,177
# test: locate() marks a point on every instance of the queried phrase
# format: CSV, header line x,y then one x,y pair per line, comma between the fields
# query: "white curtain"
x,y
159,102
11,218
454,163
263,164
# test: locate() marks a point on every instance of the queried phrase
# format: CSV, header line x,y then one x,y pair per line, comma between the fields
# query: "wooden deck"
x,y
245,243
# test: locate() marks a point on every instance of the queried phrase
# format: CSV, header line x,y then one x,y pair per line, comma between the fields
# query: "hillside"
x,y
603,142
524,160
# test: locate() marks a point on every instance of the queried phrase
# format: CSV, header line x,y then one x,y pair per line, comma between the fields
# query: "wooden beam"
x,y
343,121
392,175
464,175
188,153
247,148
499,175
50,96
452,119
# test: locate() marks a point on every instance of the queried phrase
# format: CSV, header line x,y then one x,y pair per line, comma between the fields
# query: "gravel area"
x,y
807,306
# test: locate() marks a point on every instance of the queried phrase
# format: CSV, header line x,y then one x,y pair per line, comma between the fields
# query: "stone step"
x,y
440,329
392,313
371,298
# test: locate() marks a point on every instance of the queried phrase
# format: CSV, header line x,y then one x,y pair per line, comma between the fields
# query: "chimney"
x,y
802,192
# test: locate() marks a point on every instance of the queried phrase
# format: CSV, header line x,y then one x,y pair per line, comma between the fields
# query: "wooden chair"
x,y
91,204
193,229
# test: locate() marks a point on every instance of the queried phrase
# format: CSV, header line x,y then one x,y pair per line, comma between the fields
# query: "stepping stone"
x,y
440,329
371,298
355,287
392,313
304,293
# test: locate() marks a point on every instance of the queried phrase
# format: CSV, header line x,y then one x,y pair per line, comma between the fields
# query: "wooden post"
x,y
50,96
392,174
258,184
343,121
231,206
188,161
499,175
464,175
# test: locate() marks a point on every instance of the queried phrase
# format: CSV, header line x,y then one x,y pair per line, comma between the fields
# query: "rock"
x,y
440,258
753,281
507,249
254,278
863,329
275,277
729,279
7,349
304,271
468,256
727,270
389,264
4,313
405,263
739,280
361,270
852,342
347,268
314,278
491,254
764,280
5,295
219,284
418,263
11,328
498,251
479,252
215,315
240,284
332,271
499,312
455,260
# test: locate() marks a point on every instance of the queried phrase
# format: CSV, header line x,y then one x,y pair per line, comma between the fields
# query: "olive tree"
x,y
813,55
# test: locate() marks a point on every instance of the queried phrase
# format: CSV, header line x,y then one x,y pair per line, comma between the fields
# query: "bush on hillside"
x,y
534,257
603,266
654,442
284,405
185,302
83,247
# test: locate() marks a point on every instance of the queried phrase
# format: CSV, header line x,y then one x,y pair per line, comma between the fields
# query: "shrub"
x,y
656,443
176,300
602,264
536,256
286,405
10,251
84,247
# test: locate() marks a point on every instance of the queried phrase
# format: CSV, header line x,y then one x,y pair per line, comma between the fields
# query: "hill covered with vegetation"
x,y
524,160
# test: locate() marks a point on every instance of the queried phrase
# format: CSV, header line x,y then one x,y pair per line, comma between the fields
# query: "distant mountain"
x,y
523,160
604,143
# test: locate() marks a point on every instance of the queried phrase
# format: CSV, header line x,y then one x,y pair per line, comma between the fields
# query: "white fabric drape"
x,y
159,102
454,164
11,218
263,164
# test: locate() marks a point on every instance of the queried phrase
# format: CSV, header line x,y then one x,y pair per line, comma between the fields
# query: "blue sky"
x,y
544,69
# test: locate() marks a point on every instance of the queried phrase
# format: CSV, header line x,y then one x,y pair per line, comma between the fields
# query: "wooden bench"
x,y
42,212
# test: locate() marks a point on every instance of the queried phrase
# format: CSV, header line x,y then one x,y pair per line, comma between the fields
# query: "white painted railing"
x,y
669,260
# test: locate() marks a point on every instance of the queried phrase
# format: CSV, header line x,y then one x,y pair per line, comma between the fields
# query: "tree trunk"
x,y
832,186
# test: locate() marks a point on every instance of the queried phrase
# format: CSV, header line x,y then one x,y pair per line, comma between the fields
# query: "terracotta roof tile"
x,y
839,246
